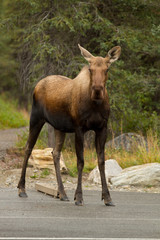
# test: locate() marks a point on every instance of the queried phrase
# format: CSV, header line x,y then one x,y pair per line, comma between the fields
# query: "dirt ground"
x,y
11,162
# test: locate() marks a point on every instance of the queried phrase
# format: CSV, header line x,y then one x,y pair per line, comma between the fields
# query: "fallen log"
x,y
46,188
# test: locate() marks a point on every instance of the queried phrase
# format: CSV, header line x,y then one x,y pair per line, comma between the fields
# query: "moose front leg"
x,y
100,140
79,139
59,140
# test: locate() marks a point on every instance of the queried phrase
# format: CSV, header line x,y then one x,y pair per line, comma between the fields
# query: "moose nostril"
x,y
97,92
97,88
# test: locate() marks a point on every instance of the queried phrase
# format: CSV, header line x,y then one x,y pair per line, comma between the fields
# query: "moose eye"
x,y
107,71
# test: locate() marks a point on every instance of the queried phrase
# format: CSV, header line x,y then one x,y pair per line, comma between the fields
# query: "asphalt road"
x,y
136,215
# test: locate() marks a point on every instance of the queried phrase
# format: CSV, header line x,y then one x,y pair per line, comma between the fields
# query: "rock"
x,y
44,159
142,175
112,169
127,141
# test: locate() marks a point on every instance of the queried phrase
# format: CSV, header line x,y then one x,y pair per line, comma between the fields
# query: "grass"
x,y
44,173
71,163
41,141
34,176
136,156
10,116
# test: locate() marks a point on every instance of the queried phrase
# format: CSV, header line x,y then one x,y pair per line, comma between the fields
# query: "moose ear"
x,y
87,55
114,54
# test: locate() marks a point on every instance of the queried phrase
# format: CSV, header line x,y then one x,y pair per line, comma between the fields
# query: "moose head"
x,y
98,68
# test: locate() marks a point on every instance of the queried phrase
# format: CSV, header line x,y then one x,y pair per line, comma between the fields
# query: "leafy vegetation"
x,y
40,38
41,141
10,117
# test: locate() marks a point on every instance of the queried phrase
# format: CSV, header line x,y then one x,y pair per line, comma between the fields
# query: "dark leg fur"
x,y
100,144
79,139
59,140
33,135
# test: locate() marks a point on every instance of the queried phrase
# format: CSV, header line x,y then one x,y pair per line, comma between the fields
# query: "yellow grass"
x,y
148,152
71,161
136,156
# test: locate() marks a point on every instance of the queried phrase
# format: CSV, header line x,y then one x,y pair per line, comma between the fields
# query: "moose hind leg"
x,y
33,135
59,140
100,144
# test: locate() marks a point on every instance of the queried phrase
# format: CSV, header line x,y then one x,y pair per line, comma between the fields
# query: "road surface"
x,y
136,215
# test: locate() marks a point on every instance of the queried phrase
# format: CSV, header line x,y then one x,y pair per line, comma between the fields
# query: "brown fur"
x,y
70,95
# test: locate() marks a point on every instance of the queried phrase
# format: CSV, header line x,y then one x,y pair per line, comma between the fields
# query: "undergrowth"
x,y
139,154
71,162
147,152
41,141
10,117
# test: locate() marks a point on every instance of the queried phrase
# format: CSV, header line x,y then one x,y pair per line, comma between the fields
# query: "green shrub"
x,y
41,141
10,117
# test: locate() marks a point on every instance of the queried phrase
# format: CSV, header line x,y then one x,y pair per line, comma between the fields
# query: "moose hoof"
x,y
65,198
79,203
62,197
110,204
22,194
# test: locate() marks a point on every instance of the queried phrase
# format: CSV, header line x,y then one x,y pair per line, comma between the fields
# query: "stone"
x,y
112,169
42,158
127,141
142,175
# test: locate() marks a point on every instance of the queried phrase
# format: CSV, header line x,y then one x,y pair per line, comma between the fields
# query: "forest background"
x,y
40,38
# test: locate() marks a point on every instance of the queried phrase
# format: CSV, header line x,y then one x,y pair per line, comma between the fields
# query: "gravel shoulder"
x,y
9,179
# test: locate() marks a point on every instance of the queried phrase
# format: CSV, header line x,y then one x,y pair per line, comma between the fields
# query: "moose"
x,y
73,105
